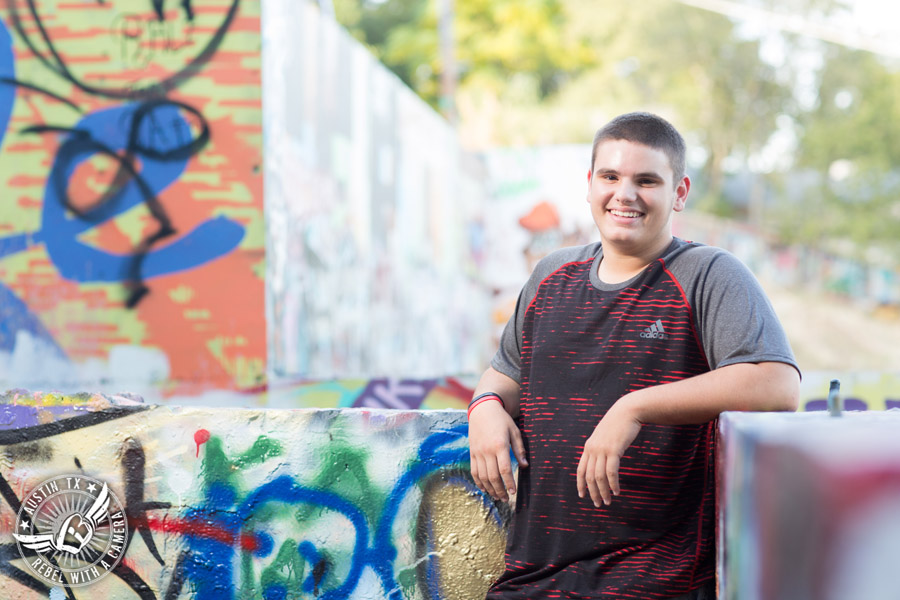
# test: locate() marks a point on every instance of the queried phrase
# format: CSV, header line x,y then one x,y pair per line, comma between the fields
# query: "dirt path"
x,y
829,333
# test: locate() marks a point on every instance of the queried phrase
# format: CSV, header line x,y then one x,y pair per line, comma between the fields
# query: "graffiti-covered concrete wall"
x,y
240,503
375,236
133,244
131,227
859,391
809,506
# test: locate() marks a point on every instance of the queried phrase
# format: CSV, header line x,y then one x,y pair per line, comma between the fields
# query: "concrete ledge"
x,y
809,505
223,503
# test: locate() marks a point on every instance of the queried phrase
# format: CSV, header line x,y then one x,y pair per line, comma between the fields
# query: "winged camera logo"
x,y
71,530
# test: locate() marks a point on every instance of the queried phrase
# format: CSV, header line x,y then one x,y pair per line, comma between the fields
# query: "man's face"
x,y
632,197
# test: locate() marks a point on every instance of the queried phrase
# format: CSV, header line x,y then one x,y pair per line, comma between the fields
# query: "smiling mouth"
x,y
625,213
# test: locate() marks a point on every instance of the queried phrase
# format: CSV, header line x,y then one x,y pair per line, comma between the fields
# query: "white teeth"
x,y
624,213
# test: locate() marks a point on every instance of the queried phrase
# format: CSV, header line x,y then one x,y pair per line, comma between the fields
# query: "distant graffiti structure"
x,y
131,236
375,233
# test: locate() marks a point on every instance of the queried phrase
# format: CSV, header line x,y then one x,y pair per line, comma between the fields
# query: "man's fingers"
x,y
602,454
493,474
593,489
473,469
479,473
518,447
481,479
505,467
494,484
492,435
601,485
580,476
590,479
480,476
612,474
498,491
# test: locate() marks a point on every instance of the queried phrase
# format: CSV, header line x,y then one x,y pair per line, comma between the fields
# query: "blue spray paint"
x,y
209,565
163,160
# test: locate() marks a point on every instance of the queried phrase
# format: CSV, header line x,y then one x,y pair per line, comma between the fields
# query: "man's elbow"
x,y
784,386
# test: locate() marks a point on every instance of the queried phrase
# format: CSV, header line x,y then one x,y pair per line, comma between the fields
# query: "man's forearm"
x,y
768,386
508,389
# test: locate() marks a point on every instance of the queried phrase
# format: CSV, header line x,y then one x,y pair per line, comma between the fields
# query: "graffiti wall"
x,y
375,235
240,503
131,228
536,205
859,391
810,506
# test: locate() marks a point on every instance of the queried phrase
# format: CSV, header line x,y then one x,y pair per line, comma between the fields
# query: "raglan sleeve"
x,y
735,319
508,358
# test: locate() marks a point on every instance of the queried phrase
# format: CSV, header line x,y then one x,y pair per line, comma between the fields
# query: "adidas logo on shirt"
x,y
655,331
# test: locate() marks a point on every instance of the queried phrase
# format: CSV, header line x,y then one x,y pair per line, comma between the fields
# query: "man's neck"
x,y
618,266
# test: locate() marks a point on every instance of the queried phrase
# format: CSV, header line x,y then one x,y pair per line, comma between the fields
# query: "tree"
x,y
851,138
515,52
702,69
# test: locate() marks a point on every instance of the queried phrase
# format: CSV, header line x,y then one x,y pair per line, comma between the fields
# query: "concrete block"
x,y
239,503
809,506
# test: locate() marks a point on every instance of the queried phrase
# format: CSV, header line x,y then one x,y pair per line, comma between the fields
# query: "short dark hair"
x,y
647,129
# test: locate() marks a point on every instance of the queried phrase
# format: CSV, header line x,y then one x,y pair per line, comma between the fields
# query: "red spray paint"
x,y
201,437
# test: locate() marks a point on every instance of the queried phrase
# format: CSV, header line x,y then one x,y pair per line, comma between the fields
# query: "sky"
x,y
871,24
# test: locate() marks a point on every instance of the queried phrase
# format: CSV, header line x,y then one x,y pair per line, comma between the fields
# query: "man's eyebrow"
x,y
649,174
643,175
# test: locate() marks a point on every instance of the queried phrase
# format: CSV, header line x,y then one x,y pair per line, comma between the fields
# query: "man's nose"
x,y
626,191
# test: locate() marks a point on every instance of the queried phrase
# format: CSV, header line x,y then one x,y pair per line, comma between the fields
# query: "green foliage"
x,y
857,117
851,138
694,65
495,41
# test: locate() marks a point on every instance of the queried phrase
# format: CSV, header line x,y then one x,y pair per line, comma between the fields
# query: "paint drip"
x,y
201,437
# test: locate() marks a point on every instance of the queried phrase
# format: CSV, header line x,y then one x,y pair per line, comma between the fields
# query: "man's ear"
x,y
588,195
681,193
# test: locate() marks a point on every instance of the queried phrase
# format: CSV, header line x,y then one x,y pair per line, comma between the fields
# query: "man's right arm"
x,y
492,432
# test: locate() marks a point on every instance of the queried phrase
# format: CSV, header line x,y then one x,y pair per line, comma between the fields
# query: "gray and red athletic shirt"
x,y
576,345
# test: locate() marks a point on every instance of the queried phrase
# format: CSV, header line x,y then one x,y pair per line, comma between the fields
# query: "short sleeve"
x,y
735,319
508,359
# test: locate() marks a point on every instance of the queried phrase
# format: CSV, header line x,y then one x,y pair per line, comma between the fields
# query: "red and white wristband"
x,y
484,398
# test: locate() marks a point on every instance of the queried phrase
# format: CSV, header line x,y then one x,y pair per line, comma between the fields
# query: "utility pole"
x,y
327,7
449,74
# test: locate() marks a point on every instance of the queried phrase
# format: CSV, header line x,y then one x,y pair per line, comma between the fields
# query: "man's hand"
x,y
598,469
491,434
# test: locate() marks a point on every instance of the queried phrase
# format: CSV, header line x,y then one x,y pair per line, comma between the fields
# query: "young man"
x,y
612,371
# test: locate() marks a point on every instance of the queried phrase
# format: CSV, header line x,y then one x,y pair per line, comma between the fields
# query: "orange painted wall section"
x,y
132,231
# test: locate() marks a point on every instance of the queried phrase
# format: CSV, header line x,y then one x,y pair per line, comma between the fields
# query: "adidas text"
x,y
655,331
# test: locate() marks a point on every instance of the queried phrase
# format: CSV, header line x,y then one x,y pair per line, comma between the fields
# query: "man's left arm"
x,y
765,386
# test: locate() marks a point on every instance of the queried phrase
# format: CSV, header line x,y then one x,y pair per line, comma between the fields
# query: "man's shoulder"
x,y
695,256
698,267
565,256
